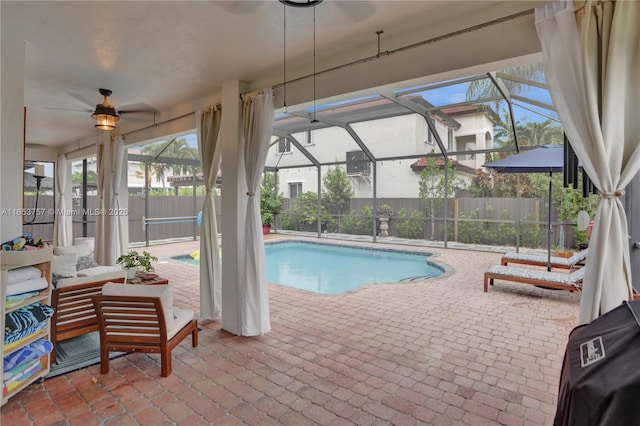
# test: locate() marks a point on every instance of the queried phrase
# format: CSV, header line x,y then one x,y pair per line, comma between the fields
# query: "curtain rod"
x,y
217,105
414,45
158,124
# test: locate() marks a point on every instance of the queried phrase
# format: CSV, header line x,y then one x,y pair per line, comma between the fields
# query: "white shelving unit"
x,y
41,259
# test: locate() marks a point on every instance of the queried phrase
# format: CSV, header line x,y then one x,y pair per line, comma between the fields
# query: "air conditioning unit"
x,y
357,163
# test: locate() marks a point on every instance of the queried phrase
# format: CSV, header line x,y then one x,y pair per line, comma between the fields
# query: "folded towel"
x,y
32,368
13,340
20,358
23,274
19,298
26,286
27,316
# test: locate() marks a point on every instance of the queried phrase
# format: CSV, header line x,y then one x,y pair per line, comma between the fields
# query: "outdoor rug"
x,y
79,352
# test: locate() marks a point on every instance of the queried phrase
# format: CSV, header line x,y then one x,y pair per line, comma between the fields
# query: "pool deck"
x,y
438,352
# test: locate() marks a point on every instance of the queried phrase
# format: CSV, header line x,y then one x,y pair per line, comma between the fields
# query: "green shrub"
x,y
409,227
358,224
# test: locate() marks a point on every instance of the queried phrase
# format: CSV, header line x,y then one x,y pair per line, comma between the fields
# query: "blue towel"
x,y
14,337
26,354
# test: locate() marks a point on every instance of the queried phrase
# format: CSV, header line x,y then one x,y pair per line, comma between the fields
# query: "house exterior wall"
x,y
385,138
479,126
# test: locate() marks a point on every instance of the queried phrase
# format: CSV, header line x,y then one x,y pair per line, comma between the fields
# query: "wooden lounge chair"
x,y
140,323
572,262
537,277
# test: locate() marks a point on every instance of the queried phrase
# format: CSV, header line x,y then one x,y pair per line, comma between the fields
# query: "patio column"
x,y
12,132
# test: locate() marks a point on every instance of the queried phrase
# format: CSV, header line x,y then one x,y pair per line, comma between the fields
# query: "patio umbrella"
x,y
544,159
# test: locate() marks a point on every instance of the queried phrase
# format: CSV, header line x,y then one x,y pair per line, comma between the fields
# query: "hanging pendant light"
x,y
105,113
303,4
284,54
314,67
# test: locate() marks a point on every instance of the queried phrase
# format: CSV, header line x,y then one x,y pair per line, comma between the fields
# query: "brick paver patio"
x,y
437,352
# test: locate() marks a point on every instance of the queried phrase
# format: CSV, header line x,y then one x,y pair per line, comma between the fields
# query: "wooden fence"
x,y
491,221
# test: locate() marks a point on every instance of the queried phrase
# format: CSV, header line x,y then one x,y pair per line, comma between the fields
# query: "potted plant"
x,y
135,262
270,201
384,213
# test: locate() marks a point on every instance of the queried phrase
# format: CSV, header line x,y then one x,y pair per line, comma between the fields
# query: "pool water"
x,y
332,269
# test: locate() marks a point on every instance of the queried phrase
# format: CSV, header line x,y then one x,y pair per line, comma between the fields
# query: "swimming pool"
x,y
333,269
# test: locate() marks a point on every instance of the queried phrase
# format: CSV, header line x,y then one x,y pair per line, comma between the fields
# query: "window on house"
x,y
295,188
450,139
429,137
284,146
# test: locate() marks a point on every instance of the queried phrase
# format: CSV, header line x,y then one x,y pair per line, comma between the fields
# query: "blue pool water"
x,y
331,269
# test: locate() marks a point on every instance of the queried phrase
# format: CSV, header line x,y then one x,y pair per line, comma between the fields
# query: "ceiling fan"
x,y
355,11
106,114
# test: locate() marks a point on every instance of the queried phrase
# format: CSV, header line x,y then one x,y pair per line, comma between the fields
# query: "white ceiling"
x,y
164,54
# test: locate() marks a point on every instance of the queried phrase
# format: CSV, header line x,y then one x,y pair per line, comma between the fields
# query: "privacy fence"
x,y
492,221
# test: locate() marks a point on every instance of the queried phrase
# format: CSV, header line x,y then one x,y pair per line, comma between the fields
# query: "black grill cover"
x,y
600,380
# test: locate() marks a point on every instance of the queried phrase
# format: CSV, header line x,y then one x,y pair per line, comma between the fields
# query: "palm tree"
x,y
484,88
541,133
173,148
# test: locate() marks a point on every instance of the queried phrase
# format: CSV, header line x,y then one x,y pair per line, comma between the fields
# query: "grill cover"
x,y
600,380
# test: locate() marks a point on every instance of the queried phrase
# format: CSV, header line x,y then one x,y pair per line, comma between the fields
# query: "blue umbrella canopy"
x,y
544,159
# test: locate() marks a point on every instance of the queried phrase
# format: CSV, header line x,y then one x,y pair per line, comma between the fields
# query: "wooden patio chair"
x,y
74,313
539,278
141,323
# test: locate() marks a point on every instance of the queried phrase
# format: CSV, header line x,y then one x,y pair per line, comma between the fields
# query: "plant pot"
x,y
131,273
266,229
384,226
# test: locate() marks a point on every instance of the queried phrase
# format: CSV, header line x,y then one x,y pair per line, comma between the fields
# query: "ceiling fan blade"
x,y
69,109
82,99
139,108
356,11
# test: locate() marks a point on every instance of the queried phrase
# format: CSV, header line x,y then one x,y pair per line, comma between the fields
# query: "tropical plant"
x,y
133,259
270,199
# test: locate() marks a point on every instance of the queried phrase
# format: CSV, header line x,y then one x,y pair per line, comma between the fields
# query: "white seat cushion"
x,y
181,318
96,270
66,282
164,292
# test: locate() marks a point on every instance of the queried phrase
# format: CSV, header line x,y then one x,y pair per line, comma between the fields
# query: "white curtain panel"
x,y
100,252
257,125
116,241
62,229
208,125
592,64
